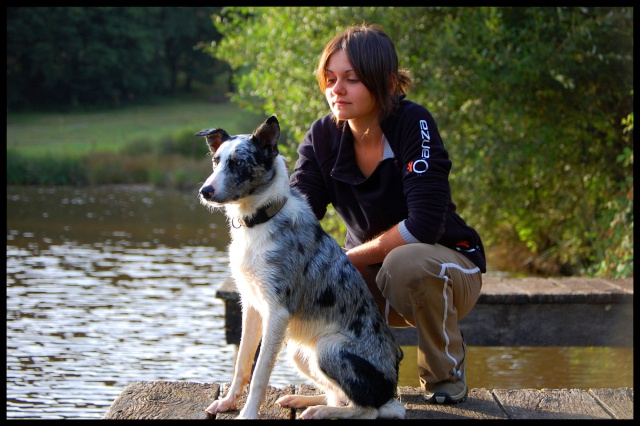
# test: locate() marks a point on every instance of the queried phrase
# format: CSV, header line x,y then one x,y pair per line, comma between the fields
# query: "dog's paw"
x,y
392,410
314,413
221,405
342,412
301,401
287,401
247,414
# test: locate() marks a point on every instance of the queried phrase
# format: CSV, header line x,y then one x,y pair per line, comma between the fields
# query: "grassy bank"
x,y
151,144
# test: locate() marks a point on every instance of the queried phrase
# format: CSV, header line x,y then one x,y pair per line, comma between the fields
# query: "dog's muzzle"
x,y
207,192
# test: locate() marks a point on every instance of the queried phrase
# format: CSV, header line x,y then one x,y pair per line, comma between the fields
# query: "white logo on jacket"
x,y
421,165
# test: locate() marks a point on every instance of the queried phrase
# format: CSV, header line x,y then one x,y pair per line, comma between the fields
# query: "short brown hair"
x,y
373,57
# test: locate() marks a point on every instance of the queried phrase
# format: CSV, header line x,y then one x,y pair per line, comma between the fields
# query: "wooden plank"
x,y
625,284
549,404
232,321
595,291
268,410
163,400
527,290
228,290
188,400
500,290
543,290
551,324
520,312
479,405
617,402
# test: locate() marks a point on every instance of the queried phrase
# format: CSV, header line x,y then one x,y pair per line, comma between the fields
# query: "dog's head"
x,y
243,165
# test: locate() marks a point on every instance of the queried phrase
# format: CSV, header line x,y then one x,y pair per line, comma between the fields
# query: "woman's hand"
x,y
375,250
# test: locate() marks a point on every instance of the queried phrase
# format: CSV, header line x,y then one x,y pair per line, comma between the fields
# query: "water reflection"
x,y
106,286
499,367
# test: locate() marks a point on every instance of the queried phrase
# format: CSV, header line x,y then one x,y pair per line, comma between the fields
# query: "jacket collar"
x,y
345,168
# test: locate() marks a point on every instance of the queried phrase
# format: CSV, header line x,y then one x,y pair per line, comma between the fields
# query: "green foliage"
x,y
135,130
169,171
529,102
44,170
273,52
143,145
613,236
106,168
111,168
77,57
181,143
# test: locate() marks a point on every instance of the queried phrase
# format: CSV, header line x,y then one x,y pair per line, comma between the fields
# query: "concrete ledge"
x,y
188,400
521,312
547,312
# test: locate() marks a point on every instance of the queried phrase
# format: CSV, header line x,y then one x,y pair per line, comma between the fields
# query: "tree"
x,y
530,101
186,32
83,56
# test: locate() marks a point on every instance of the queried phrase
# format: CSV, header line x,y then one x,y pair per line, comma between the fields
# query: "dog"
x,y
296,285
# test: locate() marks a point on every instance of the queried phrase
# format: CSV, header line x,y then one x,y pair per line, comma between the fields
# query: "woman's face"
x,y
347,96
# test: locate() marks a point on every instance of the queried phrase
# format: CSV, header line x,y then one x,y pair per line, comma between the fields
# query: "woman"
x,y
379,160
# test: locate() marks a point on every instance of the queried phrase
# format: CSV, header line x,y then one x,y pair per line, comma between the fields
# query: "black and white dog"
x,y
296,285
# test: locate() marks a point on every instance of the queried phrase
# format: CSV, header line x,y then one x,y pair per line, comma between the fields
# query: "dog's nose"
x,y
207,192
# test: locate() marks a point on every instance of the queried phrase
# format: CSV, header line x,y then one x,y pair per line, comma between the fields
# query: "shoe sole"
x,y
445,398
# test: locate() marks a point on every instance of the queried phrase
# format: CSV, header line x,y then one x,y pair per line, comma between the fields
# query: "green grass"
x,y
77,134
144,144
149,144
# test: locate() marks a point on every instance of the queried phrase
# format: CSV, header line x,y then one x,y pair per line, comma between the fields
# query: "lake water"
x,y
110,285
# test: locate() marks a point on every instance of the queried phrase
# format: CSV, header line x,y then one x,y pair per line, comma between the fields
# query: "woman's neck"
x,y
368,147
366,134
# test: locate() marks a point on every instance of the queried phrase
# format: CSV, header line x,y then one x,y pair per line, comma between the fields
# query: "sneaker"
x,y
447,393
450,392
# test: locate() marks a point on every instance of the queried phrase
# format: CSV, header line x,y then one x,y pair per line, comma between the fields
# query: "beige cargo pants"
x,y
430,287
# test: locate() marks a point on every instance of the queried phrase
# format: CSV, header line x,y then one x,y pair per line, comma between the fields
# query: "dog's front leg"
x,y
274,327
249,340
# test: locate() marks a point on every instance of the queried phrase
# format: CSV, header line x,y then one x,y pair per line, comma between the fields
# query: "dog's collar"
x,y
263,214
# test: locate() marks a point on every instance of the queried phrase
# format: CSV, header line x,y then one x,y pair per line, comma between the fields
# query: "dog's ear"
x,y
268,134
214,138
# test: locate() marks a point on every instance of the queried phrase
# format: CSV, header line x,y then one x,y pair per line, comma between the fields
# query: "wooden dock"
x,y
509,312
573,311
188,400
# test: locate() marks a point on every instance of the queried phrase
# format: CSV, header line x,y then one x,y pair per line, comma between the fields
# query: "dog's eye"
x,y
216,161
237,162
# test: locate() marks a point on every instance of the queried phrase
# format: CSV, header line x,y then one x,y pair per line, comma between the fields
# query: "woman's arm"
x,y
375,250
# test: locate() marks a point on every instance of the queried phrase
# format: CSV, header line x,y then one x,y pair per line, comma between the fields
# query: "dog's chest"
x,y
249,246
247,258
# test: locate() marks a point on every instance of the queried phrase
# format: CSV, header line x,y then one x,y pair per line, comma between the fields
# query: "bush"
x,y
44,169
183,143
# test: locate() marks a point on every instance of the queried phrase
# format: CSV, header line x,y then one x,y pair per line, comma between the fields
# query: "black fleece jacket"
x,y
412,186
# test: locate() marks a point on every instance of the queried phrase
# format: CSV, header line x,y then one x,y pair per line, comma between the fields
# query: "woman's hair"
x,y
373,57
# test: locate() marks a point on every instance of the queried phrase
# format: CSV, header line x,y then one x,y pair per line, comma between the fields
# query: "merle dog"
x,y
297,286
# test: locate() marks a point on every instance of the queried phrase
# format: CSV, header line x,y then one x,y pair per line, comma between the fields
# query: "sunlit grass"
x,y
151,144
74,134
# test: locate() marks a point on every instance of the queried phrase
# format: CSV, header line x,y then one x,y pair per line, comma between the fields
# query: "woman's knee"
x,y
411,263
